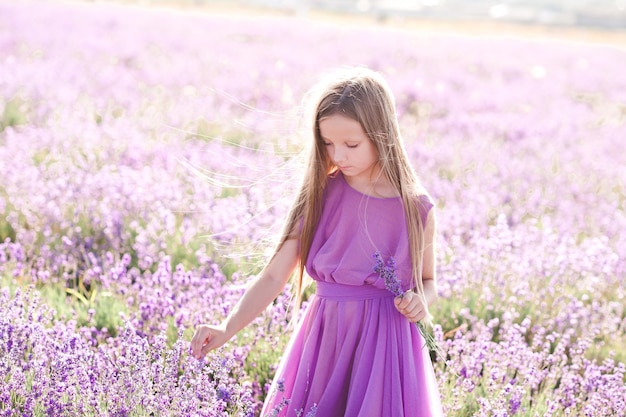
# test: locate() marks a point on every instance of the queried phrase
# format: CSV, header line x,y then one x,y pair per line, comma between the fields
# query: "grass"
x,y
264,355
75,304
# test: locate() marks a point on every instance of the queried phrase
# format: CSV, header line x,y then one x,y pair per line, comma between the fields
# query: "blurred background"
x,y
606,14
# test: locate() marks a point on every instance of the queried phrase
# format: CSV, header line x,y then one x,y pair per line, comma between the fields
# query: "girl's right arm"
x,y
256,298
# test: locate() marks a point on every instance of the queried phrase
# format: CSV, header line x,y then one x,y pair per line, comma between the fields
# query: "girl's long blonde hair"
x,y
362,95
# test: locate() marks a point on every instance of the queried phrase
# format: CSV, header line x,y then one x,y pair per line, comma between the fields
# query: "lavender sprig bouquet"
x,y
392,284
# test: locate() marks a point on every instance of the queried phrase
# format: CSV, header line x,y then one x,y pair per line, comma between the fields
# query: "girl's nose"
x,y
339,155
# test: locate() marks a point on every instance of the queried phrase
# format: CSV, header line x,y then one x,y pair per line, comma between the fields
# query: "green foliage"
x,y
91,307
180,250
228,192
6,229
41,156
15,113
227,133
264,355
608,346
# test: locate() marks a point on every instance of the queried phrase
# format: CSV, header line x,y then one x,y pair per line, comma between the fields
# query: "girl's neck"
x,y
375,186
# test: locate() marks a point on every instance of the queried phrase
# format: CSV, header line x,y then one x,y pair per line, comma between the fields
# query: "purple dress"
x,y
353,354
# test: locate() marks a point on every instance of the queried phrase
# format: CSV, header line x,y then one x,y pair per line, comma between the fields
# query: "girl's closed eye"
x,y
347,145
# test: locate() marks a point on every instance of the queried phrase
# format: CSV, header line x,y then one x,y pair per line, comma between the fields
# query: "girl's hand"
x,y
411,306
206,338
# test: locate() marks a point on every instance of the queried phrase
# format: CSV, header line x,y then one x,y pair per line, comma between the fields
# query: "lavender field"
x,y
147,159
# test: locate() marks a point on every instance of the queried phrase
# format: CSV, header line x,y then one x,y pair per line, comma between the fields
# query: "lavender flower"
x,y
388,274
312,412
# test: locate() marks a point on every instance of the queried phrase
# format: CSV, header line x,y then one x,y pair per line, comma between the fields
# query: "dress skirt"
x,y
354,355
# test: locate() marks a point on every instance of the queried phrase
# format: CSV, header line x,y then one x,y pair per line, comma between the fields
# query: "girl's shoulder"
x,y
424,203
424,199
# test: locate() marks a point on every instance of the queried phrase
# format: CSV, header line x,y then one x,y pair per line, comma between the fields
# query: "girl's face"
x,y
349,147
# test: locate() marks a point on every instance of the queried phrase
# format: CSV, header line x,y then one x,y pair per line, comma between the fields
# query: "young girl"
x,y
356,352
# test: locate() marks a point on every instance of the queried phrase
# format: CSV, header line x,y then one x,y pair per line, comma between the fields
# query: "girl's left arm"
x,y
410,305
429,268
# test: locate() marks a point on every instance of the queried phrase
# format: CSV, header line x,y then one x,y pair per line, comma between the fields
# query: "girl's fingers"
x,y
417,315
410,306
206,339
404,300
200,341
413,312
